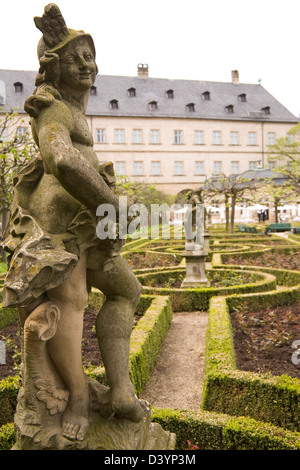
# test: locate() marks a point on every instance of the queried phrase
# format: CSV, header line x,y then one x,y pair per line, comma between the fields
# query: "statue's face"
x,y
77,65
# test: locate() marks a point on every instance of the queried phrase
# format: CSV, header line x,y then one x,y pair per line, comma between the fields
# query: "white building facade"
x,y
174,133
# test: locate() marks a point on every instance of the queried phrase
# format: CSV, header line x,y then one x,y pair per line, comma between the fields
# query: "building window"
x,y
229,109
271,138
137,136
290,139
252,165
217,137
93,90
234,168
114,104
199,168
154,136
100,136
271,165
190,107
21,131
152,105
18,87
138,168
178,137
178,168
120,168
155,168
199,137
131,92
217,167
266,110
234,138
242,98
251,138
119,136
170,94
206,96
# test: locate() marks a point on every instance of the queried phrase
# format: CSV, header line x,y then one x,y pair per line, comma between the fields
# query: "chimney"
x,y
235,77
143,70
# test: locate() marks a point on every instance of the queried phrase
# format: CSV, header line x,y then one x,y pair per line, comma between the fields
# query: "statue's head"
x,y
57,44
56,35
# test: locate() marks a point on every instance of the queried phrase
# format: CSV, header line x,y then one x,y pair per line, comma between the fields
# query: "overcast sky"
x,y
178,39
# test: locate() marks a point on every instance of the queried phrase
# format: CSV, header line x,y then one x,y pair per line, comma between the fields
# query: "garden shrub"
x,y
191,299
238,406
7,436
286,250
207,431
7,316
216,431
146,338
9,388
274,399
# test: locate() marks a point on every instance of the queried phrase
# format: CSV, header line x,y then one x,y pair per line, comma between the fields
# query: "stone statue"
x,y
55,257
195,250
194,222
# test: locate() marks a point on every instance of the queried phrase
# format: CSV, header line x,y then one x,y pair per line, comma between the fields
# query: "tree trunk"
x,y
232,213
276,211
3,220
227,212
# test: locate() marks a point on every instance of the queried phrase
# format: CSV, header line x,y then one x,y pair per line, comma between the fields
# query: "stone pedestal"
x,y
195,269
103,433
206,241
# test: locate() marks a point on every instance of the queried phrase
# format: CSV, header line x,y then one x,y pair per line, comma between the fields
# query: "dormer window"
x,y
131,92
190,107
18,87
206,96
170,94
152,105
242,98
266,110
114,104
229,109
93,90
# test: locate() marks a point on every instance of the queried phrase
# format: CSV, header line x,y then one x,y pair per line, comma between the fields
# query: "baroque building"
x,y
174,133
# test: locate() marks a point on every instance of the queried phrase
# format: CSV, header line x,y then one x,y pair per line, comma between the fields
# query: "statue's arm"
x,y
77,176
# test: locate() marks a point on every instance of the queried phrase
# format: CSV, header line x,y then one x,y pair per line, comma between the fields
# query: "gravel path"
x,y
176,381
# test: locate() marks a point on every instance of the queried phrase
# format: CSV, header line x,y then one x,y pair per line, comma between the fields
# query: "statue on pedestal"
x,y
194,222
55,258
195,248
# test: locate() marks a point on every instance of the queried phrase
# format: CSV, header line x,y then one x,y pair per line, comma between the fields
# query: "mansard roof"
x,y
212,100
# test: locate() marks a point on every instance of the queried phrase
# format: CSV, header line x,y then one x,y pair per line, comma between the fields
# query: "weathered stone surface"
x,y
55,257
195,269
196,248
102,434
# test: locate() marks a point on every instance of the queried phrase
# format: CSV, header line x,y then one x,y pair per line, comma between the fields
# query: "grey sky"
x,y
185,39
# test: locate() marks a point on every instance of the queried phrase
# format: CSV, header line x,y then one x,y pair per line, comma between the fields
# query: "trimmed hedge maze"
x,y
241,410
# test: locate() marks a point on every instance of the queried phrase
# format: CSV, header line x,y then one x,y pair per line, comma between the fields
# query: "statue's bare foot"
x,y
120,402
126,404
75,421
100,398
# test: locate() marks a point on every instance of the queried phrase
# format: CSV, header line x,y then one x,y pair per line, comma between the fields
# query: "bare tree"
x,y
287,151
232,189
16,149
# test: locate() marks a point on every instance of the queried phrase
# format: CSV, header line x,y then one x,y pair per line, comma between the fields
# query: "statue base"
x,y
103,433
195,269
